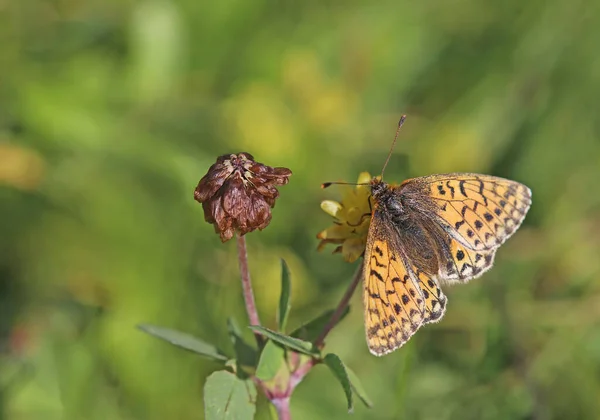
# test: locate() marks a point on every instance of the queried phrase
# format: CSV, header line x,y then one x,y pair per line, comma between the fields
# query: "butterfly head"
x,y
377,186
381,191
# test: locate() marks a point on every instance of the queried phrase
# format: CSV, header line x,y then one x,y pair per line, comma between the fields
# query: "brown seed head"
x,y
237,194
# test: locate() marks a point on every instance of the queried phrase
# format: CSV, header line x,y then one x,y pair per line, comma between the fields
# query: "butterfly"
x,y
425,232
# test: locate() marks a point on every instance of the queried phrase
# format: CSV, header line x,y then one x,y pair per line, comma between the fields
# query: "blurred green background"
x,y
112,110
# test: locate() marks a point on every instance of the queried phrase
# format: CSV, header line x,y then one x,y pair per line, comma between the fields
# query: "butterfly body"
x,y
427,231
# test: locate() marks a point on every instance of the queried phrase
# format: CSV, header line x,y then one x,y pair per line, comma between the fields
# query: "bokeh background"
x,y
111,111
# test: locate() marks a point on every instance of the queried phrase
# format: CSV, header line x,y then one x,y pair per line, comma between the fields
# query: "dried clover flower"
x,y
237,194
352,218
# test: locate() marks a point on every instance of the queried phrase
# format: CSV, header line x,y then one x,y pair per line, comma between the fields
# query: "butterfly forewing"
x,y
394,304
479,211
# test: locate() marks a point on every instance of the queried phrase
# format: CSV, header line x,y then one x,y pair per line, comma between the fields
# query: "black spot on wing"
x,y
451,188
373,330
481,186
377,263
461,185
376,275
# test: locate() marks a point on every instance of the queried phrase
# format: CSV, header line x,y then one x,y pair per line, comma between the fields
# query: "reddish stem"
x,y
247,286
281,400
341,307
282,406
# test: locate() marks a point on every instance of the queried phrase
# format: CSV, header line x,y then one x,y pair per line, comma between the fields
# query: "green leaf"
x,y
311,330
290,342
227,397
245,353
284,299
358,388
334,363
185,341
271,360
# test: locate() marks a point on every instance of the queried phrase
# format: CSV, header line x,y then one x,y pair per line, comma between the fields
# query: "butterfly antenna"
x,y
329,184
402,119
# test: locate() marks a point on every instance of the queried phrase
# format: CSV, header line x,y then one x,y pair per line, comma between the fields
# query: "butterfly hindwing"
x,y
394,304
460,263
435,300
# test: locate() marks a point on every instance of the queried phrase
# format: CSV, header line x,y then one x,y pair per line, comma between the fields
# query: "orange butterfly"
x,y
429,230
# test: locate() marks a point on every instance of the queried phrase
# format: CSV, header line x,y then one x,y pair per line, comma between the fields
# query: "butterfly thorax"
x,y
387,199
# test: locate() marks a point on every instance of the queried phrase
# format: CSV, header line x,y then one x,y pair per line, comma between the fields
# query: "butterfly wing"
x,y
398,298
477,213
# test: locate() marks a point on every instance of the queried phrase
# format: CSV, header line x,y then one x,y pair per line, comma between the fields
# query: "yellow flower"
x,y
351,220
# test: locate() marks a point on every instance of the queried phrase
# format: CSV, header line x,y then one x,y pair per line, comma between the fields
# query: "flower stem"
x,y
247,286
341,306
282,406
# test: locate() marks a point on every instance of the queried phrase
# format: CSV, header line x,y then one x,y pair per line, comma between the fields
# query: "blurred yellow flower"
x,y
20,167
351,220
